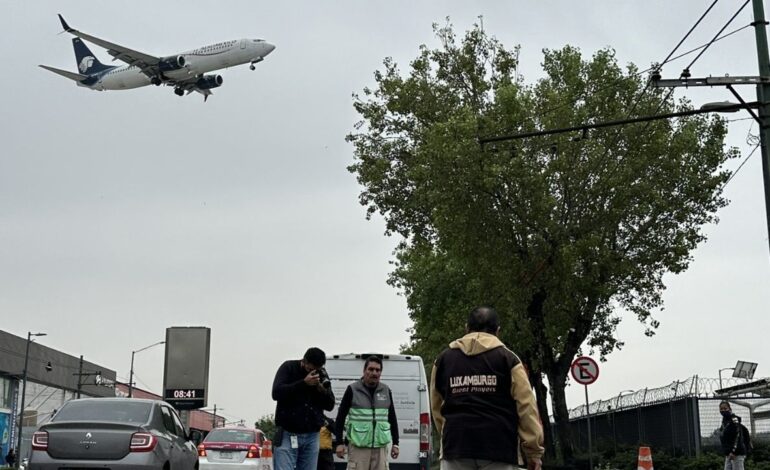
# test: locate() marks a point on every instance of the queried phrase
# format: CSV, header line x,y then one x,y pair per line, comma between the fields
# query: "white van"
x,y
405,375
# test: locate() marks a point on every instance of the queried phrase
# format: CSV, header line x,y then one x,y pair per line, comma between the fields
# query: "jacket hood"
x,y
476,343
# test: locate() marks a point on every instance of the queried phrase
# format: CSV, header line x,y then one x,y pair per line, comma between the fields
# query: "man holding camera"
x,y
302,391
369,418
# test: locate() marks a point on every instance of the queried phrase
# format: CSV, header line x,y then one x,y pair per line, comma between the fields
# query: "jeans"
x,y
734,464
304,457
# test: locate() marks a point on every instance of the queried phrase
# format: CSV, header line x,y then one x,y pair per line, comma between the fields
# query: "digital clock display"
x,y
185,398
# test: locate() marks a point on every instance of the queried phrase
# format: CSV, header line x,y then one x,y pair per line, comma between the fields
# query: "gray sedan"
x,y
115,433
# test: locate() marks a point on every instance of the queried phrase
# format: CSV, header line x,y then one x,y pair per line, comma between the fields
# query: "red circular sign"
x,y
584,370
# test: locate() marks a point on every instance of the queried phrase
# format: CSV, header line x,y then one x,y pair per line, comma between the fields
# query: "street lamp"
x,y
23,395
131,374
721,107
742,370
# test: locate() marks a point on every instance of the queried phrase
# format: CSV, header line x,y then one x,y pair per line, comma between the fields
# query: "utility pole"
x,y
23,396
19,454
762,82
131,377
763,93
80,375
214,418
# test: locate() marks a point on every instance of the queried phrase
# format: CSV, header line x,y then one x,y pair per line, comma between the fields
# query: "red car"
x,y
231,447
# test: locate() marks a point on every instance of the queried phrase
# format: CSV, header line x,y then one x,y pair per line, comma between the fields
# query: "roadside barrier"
x,y
645,459
266,455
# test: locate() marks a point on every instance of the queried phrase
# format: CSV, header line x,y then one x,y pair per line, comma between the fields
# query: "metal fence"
x,y
682,418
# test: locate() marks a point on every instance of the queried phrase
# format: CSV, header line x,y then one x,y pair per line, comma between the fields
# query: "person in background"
x,y
326,447
731,438
10,457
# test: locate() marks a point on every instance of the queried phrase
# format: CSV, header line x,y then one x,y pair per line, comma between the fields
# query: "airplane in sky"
x,y
186,71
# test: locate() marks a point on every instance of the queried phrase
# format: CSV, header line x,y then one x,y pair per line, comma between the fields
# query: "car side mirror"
x,y
195,436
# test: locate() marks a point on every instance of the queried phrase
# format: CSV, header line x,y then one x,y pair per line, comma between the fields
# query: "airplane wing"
x,y
147,63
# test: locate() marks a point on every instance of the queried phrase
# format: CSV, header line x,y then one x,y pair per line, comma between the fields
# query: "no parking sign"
x,y
584,370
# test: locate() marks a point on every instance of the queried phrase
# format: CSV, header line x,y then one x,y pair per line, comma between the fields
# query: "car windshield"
x,y
231,435
105,410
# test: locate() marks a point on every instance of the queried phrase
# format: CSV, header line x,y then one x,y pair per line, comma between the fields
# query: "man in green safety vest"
x,y
369,419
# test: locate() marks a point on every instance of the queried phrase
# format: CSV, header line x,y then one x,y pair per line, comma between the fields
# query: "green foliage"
x,y
559,233
267,425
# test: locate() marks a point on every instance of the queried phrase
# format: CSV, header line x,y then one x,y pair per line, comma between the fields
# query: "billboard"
x,y
186,368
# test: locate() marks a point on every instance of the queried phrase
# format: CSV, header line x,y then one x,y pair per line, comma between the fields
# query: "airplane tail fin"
x,y
86,60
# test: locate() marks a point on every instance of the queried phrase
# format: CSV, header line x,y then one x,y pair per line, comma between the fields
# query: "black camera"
x,y
323,377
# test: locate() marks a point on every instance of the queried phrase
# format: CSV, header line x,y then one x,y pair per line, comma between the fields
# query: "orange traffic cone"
x,y
645,459
266,455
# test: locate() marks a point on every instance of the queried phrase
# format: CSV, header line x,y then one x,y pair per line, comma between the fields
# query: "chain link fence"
x,y
682,417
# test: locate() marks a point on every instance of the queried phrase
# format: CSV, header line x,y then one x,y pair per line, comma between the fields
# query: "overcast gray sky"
x,y
123,213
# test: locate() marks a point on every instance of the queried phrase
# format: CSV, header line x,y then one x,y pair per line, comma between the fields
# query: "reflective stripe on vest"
x,y
367,422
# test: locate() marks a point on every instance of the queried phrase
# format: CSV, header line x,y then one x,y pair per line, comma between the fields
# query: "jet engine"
x,y
209,81
168,64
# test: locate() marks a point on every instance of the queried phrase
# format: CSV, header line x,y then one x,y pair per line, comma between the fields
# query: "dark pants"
x,y
325,459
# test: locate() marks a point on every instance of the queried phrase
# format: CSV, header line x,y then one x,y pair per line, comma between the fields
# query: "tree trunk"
x,y
558,381
541,392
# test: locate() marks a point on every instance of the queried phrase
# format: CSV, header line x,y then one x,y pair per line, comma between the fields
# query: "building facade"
x,y
53,378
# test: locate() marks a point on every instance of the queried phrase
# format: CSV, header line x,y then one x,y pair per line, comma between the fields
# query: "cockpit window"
x,y
258,40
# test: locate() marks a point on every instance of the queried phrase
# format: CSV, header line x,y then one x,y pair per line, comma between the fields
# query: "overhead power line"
x,y
740,166
656,116
571,101
621,122
687,69
690,31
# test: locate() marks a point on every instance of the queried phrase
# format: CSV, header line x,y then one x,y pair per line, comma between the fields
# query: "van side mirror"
x,y
195,436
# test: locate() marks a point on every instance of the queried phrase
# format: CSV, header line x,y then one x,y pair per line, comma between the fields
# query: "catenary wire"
x,y
717,34
616,83
740,166
618,131
635,102
690,31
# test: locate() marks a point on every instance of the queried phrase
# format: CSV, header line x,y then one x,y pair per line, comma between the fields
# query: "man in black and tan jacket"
x,y
482,402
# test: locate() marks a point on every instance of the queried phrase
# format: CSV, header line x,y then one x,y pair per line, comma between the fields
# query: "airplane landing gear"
x,y
179,91
156,81
252,67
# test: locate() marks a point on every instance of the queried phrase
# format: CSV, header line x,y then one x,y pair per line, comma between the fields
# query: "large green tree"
x,y
563,233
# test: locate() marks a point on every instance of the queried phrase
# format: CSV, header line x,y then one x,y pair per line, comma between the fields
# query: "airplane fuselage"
x,y
197,62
